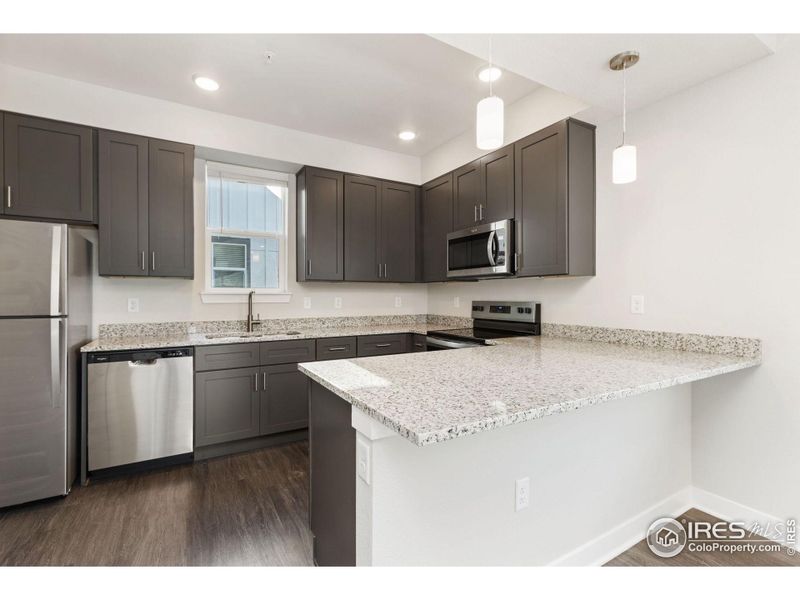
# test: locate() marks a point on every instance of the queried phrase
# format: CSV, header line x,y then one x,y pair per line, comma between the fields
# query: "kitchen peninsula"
x,y
453,462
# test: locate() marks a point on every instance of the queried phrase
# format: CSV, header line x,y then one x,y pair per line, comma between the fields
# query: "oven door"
x,y
480,251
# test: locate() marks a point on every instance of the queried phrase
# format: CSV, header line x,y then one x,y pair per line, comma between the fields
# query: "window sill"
x,y
231,297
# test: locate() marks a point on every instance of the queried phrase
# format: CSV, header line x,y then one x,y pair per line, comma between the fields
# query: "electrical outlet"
x,y
363,466
637,305
398,301
337,302
522,494
133,305
456,301
306,302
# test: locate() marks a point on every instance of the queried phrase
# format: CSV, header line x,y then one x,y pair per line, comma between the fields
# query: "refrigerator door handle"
x,y
58,272
58,355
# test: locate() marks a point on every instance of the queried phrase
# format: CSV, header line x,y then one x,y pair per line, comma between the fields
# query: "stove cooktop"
x,y
478,333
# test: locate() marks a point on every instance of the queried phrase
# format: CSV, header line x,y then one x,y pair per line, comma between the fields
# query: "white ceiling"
x,y
577,64
360,88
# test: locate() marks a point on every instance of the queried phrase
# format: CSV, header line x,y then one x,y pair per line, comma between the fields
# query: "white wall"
x,y
539,109
709,235
44,95
599,475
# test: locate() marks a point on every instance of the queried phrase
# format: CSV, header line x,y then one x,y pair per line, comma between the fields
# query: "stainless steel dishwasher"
x,y
140,406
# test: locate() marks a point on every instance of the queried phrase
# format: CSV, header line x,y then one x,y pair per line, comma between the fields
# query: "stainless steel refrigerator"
x,y
45,316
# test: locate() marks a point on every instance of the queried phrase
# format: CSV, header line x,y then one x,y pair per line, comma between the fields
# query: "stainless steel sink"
x,y
243,335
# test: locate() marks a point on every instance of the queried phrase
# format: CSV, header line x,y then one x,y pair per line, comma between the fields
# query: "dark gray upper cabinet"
x,y
284,399
2,179
497,178
226,406
146,205
320,225
362,257
122,192
171,209
555,200
48,169
437,222
467,195
398,220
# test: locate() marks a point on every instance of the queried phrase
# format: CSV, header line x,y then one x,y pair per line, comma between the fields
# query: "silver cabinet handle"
x,y
309,267
385,271
480,212
336,349
154,261
255,382
144,267
516,261
475,212
8,196
380,266
382,345
264,381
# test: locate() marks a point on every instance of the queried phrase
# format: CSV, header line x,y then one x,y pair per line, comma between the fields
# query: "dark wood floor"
x,y
248,509
641,556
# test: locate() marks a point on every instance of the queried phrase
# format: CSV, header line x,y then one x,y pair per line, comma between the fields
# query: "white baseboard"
x,y
729,510
615,541
618,539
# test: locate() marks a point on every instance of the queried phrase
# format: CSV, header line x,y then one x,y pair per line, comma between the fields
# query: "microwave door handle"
x,y
490,247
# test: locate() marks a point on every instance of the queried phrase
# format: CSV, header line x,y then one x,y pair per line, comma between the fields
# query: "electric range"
x,y
491,320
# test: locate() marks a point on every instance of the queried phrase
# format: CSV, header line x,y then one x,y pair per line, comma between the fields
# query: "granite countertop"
x,y
175,340
436,396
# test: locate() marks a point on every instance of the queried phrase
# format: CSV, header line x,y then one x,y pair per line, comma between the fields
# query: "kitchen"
x,y
328,344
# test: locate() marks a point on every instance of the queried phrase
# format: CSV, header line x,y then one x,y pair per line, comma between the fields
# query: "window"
x,y
246,218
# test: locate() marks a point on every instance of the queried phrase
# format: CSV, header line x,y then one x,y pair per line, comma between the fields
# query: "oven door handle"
x,y
490,247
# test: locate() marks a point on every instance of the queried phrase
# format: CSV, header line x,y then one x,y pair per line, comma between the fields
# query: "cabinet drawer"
x,y
375,345
340,347
289,351
226,356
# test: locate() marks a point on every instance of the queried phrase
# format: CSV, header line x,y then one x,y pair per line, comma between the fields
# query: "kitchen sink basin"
x,y
243,335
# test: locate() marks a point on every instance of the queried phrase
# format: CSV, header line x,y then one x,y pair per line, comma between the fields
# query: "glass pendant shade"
x,y
623,168
489,128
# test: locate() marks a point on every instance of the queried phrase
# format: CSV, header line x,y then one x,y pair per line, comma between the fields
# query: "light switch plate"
x,y
456,301
398,301
363,461
522,494
133,305
307,302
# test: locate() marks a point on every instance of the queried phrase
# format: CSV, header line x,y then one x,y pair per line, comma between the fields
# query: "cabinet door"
x,y
171,210
324,224
497,171
49,171
362,197
284,399
122,181
467,195
398,214
541,202
2,178
437,222
226,406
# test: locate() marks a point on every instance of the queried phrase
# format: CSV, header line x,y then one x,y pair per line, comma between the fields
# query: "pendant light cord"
x,y
490,66
624,102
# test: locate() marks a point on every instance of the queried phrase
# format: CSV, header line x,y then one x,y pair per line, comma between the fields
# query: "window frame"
x,y
211,294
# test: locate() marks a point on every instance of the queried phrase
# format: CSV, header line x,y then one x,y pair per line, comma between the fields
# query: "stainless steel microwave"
x,y
481,251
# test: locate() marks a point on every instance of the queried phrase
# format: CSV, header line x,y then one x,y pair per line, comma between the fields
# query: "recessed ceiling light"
x,y
489,74
205,83
406,136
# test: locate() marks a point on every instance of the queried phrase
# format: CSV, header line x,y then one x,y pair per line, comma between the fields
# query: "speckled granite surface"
x,y
142,336
433,397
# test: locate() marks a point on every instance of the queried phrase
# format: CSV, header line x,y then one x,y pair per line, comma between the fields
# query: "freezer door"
x,y
32,269
33,398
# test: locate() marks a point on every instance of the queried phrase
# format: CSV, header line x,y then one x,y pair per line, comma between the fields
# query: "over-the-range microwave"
x,y
481,251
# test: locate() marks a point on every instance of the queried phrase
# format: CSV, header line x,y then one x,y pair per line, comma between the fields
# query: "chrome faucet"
x,y
250,320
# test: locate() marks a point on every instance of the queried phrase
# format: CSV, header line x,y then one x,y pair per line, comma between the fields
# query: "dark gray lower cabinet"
x,y
284,399
332,449
377,345
226,406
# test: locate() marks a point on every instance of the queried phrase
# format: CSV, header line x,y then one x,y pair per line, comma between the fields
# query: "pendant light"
x,y
623,168
489,122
